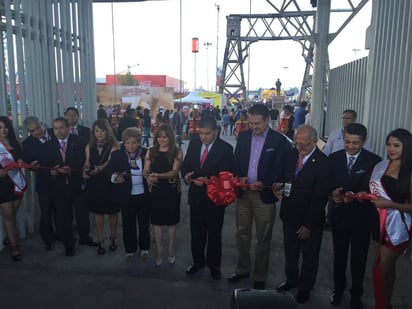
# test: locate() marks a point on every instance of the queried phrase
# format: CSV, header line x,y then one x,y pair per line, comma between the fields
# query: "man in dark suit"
x,y
206,157
66,153
258,161
305,193
72,115
80,207
353,221
33,150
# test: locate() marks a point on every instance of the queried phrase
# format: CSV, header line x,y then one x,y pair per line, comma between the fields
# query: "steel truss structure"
x,y
289,22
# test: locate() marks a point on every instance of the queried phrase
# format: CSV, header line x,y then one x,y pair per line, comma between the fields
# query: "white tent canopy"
x,y
193,98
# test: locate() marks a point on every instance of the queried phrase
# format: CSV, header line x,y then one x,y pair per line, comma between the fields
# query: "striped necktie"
x,y
351,161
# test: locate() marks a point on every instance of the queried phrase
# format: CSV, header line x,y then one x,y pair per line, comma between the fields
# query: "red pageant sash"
x,y
15,174
391,225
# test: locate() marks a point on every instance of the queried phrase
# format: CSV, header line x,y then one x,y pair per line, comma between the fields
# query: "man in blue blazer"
x,y
353,221
206,157
258,161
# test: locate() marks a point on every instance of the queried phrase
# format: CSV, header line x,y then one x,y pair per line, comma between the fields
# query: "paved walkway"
x,y
87,280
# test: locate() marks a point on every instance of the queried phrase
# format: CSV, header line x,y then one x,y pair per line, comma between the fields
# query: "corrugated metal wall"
x,y
379,87
47,58
46,65
388,97
346,91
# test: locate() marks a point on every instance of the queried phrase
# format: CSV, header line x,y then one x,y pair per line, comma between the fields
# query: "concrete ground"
x,y
87,280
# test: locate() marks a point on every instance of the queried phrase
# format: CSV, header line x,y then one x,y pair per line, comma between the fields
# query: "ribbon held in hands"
x,y
362,196
13,165
222,190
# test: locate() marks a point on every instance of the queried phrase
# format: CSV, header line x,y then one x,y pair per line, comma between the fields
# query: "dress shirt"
x,y
255,151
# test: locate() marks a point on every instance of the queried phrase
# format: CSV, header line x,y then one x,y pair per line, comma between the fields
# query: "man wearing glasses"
x,y
336,137
304,192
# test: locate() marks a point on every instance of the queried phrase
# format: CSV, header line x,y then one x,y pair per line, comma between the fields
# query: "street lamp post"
x,y
217,42
207,44
285,68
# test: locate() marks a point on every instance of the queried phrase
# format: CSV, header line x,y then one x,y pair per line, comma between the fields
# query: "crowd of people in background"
x,y
110,169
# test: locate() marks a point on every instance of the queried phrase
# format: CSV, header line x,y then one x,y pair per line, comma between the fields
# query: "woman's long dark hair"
x,y
405,170
103,124
11,136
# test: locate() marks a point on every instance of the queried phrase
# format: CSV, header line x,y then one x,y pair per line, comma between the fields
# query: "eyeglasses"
x,y
301,145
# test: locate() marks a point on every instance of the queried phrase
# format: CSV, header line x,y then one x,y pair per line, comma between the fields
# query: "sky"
x,y
147,41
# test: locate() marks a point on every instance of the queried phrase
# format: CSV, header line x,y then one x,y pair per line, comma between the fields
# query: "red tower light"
x,y
195,45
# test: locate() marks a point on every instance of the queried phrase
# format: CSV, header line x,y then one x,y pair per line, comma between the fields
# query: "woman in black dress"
x,y
98,152
391,182
161,170
12,184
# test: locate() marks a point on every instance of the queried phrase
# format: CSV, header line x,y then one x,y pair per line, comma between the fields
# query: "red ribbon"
x,y
222,190
13,165
362,196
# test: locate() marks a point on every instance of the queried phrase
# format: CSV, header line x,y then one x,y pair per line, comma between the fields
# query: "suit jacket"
x,y
271,162
119,162
220,158
356,181
64,184
83,133
310,190
33,150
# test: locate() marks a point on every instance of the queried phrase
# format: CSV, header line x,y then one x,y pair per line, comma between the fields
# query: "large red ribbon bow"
x,y
222,190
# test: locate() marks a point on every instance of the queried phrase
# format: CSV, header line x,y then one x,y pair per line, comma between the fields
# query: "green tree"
x,y
127,79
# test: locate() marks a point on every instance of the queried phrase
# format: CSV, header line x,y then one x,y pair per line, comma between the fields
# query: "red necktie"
x,y
63,150
204,155
299,165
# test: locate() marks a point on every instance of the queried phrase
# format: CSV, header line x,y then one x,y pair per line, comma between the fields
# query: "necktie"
x,y
299,165
204,155
63,150
350,163
73,131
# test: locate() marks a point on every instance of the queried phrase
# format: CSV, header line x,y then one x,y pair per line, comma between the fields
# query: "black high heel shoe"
x,y
113,245
15,253
100,249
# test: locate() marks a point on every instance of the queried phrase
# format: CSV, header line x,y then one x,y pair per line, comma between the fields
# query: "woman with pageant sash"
x,y
98,152
12,184
163,162
130,192
391,182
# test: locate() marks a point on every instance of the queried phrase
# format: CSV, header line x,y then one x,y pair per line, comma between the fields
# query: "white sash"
x,y
15,174
397,227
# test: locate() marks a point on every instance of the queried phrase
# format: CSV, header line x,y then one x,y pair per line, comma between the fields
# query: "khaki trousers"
x,y
249,208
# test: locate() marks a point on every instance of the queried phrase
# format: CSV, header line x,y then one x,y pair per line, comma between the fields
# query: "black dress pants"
x,y
138,207
206,222
306,277
81,212
47,226
356,236
64,214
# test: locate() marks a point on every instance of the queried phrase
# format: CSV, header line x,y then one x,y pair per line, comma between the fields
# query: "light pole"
x,y
207,44
217,42
284,78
